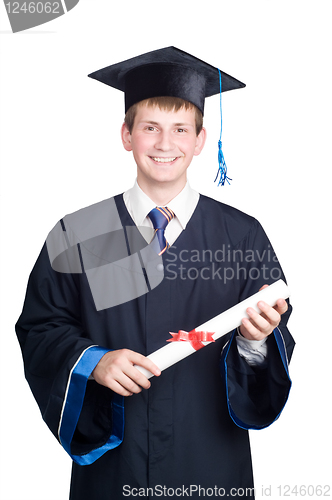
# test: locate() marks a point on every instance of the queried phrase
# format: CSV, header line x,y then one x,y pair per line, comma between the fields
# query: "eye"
x,y
181,130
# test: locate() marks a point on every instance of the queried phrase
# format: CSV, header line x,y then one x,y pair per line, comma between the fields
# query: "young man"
x,y
113,281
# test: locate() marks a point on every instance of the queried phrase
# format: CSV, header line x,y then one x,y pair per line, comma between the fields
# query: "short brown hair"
x,y
165,103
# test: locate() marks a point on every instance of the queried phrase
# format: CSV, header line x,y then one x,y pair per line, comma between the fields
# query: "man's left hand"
x,y
261,325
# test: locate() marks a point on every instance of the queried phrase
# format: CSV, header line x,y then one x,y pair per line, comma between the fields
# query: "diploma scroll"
x,y
219,325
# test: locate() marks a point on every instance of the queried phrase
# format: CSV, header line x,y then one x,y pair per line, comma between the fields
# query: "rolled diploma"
x,y
223,323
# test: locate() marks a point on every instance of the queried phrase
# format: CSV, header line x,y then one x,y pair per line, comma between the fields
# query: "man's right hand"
x,y
116,371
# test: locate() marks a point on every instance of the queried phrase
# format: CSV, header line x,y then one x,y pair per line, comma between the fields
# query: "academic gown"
x,y
187,434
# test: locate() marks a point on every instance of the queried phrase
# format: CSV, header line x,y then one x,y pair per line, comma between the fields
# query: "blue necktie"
x,y
160,217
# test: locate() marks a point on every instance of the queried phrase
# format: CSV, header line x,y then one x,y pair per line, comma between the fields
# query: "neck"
x,y
162,193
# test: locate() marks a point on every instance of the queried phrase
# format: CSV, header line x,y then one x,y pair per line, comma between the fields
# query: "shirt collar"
x,y
184,204
139,204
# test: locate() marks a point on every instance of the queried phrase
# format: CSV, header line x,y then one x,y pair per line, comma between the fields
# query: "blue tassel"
x,y
222,170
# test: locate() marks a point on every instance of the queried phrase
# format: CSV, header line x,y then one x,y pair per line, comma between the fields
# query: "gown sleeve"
x,y
86,418
257,395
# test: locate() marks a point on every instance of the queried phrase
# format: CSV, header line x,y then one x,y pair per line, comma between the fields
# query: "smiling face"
x,y
163,144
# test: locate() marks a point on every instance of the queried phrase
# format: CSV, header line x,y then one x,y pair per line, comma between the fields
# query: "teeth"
x,y
163,160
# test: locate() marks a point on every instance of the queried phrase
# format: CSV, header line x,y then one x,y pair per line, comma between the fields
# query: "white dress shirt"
x,y
183,205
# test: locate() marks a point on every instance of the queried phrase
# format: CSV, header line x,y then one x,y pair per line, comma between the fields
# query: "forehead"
x,y
148,113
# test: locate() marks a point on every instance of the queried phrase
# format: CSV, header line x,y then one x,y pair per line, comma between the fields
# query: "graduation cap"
x,y
169,72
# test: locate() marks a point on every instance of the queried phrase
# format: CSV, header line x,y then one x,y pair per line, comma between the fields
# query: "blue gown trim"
x,y
283,354
74,402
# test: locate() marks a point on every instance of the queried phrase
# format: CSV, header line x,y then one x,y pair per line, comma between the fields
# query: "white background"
x,y
61,150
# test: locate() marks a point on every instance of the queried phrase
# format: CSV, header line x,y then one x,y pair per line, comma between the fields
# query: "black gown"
x,y
188,433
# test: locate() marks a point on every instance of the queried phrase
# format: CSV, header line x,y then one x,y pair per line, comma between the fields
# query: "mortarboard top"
x,y
166,72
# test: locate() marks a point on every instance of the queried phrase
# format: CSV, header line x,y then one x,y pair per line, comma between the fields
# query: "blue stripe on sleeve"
x,y
74,402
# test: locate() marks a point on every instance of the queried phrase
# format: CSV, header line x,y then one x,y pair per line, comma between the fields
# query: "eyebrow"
x,y
181,124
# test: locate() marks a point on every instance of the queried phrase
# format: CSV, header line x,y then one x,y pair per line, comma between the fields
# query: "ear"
x,y
126,137
200,141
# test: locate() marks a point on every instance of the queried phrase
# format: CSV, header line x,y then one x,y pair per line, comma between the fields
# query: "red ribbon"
x,y
195,338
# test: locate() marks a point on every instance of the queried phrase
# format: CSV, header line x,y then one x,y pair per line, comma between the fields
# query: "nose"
x,y
164,141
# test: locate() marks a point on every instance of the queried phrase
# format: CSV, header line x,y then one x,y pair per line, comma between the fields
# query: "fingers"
x,y
116,371
260,325
139,359
281,306
123,378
